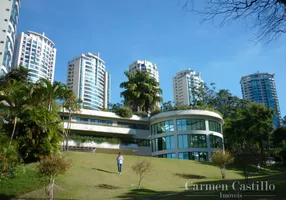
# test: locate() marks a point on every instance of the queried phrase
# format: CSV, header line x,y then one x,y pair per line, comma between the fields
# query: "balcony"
x,y
82,126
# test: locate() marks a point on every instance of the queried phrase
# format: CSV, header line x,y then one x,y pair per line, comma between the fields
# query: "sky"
x,y
158,31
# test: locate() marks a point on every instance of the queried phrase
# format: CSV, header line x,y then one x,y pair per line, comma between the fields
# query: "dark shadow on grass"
x,y
142,194
189,176
252,170
6,197
106,186
102,170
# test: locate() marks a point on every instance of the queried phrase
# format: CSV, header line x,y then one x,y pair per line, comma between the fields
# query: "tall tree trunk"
x,y
50,189
222,170
13,132
68,129
139,184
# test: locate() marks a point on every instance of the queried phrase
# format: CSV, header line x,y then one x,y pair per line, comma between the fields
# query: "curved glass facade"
x,y
184,135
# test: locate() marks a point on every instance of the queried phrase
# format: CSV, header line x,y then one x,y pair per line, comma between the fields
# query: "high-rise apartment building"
x,y
89,80
37,53
185,83
260,88
9,14
145,66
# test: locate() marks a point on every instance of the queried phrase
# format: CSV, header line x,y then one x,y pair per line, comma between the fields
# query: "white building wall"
x,y
183,84
145,66
37,53
88,78
9,14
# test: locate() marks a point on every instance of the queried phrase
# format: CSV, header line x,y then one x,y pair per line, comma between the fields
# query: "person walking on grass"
x,y
119,162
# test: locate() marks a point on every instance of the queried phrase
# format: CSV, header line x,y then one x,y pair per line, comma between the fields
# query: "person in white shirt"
x,y
119,162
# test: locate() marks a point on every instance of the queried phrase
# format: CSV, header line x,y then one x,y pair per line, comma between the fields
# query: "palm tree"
x,y
142,92
48,92
14,101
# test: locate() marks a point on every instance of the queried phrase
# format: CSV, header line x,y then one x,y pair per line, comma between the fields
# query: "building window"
x,y
163,143
214,126
215,141
192,141
162,127
168,155
190,124
198,156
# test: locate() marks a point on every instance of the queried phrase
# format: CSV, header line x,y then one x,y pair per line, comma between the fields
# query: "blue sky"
x,y
158,31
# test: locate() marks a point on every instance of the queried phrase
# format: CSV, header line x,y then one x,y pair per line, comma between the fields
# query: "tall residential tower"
x,y
37,53
89,80
145,66
184,84
260,88
9,14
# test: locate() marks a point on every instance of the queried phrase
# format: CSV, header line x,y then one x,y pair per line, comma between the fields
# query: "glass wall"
x,y
190,124
214,126
163,143
162,127
168,155
94,121
199,156
215,141
192,141
110,123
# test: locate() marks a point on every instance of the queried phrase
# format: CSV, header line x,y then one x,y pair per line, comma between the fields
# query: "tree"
x,y
141,168
142,92
114,107
221,159
72,105
266,15
14,101
48,92
50,167
249,126
167,106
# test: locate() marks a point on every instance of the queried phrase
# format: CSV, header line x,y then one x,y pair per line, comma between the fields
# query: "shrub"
x,y
155,112
82,139
50,167
141,168
124,112
142,114
8,157
221,159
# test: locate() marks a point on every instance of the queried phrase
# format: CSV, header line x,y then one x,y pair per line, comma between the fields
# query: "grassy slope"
x,y
93,176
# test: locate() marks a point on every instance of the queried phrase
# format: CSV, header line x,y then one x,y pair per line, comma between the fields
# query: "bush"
x,y
155,112
141,168
50,167
82,139
141,114
8,157
221,159
124,112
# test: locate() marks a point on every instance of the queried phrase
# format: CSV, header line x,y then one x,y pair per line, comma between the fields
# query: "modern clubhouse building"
x,y
180,134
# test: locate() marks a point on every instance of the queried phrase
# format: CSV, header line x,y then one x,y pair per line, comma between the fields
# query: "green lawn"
x,y
93,176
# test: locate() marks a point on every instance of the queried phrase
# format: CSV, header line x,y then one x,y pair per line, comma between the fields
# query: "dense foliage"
x,y
81,139
125,112
30,113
